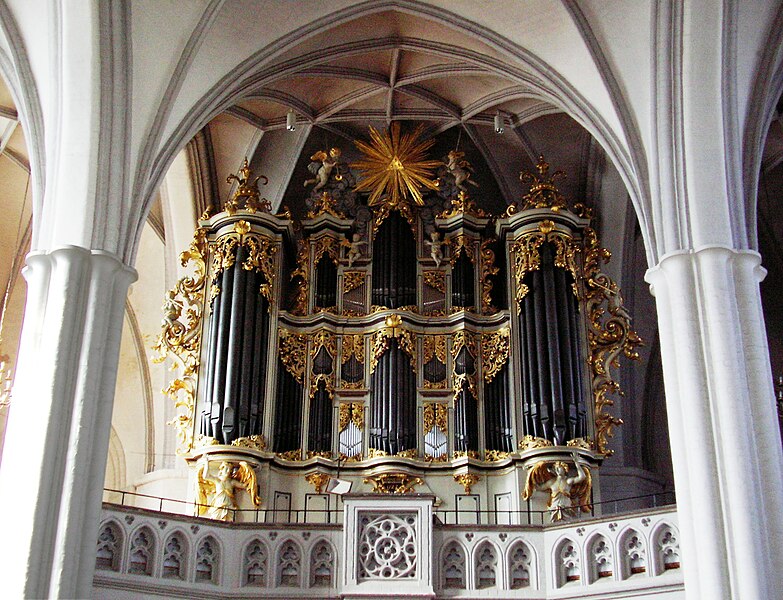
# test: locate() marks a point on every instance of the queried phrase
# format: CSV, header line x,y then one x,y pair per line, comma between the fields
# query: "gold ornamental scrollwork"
x,y
260,258
302,271
488,269
494,352
318,481
352,280
246,195
459,243
353,346
464,453
436,280
527,257
253,442
434,346
180,338
393,483
293,352
351,412
326,245
495,455
328,380
530,442
467,480
462,205
324,338
325,205
393,330
609,334
436,415
543,192
291,455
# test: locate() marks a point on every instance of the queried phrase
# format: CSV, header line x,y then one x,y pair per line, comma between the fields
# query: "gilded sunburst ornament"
x,y
395,166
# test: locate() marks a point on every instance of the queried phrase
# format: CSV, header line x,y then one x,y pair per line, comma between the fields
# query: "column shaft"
x,y
58,434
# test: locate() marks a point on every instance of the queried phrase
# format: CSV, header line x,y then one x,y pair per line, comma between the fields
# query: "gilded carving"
x,y
254,442
393,483
293,352
261,255
392,330
527,258
324,339
353,345
434,346
530,442
494,352
567,494
543,192
319,453
467,480
325,205
488,269
247,192
352,280
292,455
318,481
464,339
436,415
351,412
582,442
180,338
302,271
326,245
464,453
460,205
435,279
609,334
495,455
327,378
459,243
216,496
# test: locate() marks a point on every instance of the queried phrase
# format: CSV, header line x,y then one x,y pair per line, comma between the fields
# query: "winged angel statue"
x,y
565,493
216,495
322,166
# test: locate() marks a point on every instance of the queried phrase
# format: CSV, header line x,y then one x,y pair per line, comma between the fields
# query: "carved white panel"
x,y
519,566
255,564
601,559
633,554
207,561
387,546
109,547
568,564
453,562
667,545
174,557
289,565
142,552
322,565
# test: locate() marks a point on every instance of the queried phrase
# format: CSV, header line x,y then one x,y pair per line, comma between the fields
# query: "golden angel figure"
x,y
322,166
216,495
565,493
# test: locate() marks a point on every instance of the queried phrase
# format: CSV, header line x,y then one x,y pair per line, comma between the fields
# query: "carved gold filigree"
x,y
319,453
355,458
495,455
530,442
409,453
326,245
393,330
181,341
527,258
467,480
434,346
435,279
351,412
393,483
488,269
324,338
254,442
494,352
318,481
436,415
352,280
583,442
260,258
325,205
293,352
459,243
353,345
261,253
291,455
462,204
328,380
464,453
202,441
464,339
302,272
609,334
375,453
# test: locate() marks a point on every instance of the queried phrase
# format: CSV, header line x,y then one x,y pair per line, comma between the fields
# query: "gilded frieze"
x,y
467,480
351,412
393,483
434,346
436,415
253,442
302,272
462,242
352,280
324,339
353,345
393,330
435,279
488,269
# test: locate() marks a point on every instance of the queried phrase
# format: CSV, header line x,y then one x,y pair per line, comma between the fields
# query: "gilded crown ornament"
x,y
395,167
247,193
543,191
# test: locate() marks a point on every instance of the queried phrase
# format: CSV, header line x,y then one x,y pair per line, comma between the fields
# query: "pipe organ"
x,y
396,334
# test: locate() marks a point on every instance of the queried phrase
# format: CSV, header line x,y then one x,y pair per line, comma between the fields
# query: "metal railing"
x,y
442,516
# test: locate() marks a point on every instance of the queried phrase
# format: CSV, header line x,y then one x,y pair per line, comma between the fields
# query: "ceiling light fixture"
x,y
498,123
290,121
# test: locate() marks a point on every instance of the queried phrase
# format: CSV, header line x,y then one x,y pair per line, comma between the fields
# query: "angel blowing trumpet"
x,y
216,495
566,494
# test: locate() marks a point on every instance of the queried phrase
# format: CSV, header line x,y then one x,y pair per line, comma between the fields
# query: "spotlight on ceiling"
x,y
498,123
290,121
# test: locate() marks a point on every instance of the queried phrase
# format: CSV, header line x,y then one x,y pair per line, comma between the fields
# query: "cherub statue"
x,y
354,248
322,166
436,247
565,493
216,494
460,169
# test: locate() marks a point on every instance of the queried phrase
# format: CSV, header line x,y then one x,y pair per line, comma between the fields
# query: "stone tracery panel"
x,y
387,547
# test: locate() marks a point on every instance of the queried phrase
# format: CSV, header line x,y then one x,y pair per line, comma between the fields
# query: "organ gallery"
x,y
398,335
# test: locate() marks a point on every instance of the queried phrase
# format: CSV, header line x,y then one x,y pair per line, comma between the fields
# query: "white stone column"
x,y
728,463
53,465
